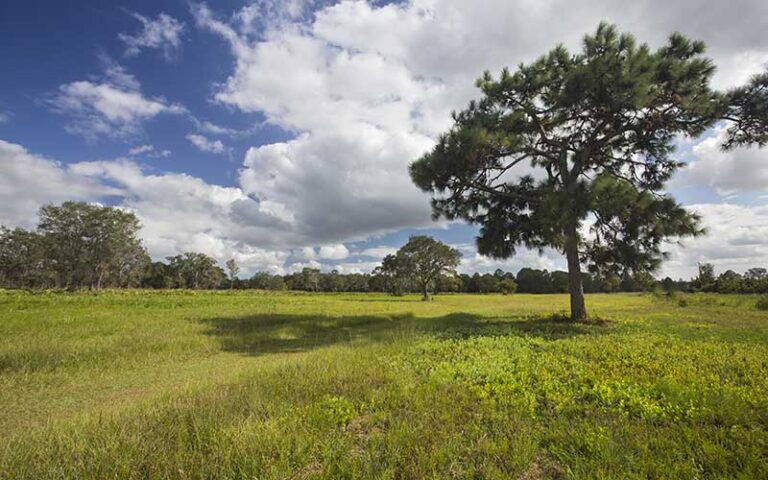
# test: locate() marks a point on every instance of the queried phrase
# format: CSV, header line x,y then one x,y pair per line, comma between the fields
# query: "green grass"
x,y
141,384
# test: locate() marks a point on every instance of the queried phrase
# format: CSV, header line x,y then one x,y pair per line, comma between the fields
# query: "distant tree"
x,y
308,279
705,281
357,282
92,245
488,283
447,284
156,275
755,280
668,285
683,285
560,281
311,278
24,262
610,283
627,283
265,281
644,281
530,280
756,274
395,274
276,282
729,282
334,282
194,270
427,259
599,128
593,283
233,268
507,286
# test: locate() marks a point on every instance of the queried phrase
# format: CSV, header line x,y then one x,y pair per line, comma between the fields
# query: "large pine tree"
x,y
596,131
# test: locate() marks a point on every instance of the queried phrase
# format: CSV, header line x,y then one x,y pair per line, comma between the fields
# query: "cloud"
x,y
378,252
212,128
737,69
163,32
265,16
333,252
182,213
735,240
472,262
179,213
29,181
205,145
325,252
112,107
117,75
367,88
141,149
346,268
728,173
204,126
149,151
346,175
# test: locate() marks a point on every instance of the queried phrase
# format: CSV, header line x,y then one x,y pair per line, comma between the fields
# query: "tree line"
x,y
527,280
78,245
754,280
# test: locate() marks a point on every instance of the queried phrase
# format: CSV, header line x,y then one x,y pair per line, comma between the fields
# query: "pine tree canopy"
x,y
578,143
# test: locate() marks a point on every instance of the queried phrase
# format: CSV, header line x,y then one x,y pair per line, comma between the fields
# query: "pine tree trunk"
x,y
578,309
425,296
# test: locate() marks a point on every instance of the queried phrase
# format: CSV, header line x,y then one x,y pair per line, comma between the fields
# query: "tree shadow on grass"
x,y
263,334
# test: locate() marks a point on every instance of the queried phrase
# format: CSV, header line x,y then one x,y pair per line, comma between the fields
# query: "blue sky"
x,y
279,133
74,40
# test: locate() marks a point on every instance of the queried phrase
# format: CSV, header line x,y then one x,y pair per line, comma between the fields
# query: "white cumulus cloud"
x,y
28,181
742,170
204,144
366,88
163,32
113,106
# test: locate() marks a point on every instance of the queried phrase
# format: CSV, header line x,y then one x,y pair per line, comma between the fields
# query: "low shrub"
x,y
762,303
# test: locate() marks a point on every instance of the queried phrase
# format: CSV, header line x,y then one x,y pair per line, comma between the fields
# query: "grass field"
x,y
140,384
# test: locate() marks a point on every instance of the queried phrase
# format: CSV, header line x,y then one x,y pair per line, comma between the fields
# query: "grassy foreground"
x,y
141,384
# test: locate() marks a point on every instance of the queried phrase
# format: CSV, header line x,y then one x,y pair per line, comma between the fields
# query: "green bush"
x,y
507,286
762,303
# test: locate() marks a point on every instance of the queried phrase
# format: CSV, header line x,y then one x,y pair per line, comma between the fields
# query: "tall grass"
x,y
138,384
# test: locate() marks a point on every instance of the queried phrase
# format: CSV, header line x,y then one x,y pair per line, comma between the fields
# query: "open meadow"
x,y
248,384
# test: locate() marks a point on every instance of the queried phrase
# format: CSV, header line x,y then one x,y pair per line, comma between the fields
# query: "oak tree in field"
x,y
426,259
76,245
92,245
573,151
